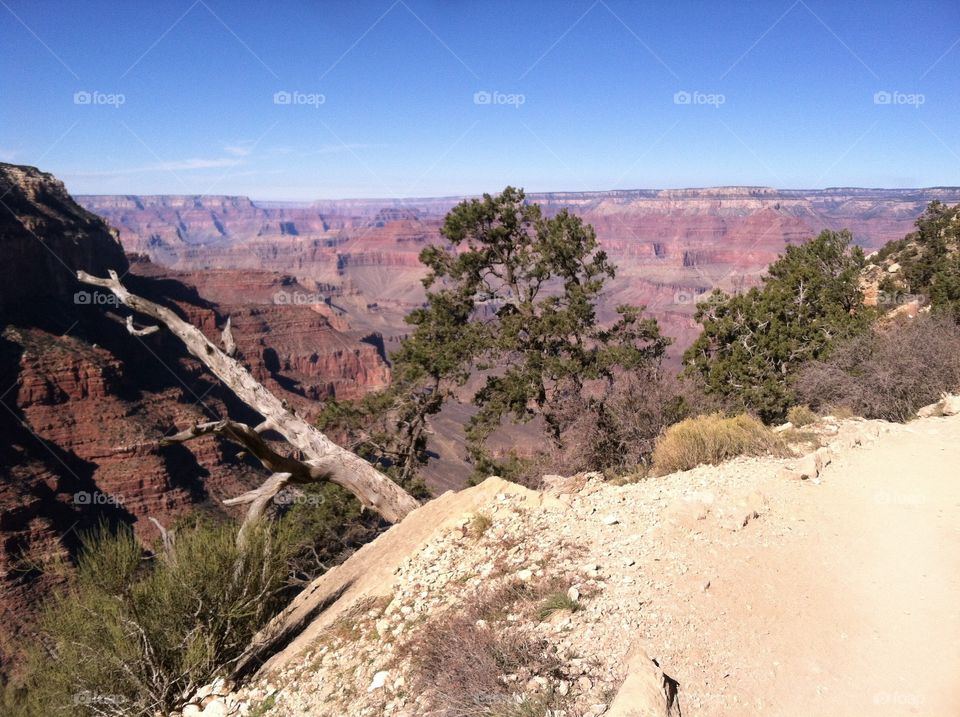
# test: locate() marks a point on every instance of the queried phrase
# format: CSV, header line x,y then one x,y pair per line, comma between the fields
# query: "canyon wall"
x,y
670,246
83,404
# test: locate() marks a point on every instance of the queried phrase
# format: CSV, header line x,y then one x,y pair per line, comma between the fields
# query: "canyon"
x,y
316,294
670,246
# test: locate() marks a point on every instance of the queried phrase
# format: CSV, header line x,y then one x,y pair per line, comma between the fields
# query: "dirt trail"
x,y
760,594
843,598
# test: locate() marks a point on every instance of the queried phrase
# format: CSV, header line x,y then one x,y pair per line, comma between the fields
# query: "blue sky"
x,y
421,98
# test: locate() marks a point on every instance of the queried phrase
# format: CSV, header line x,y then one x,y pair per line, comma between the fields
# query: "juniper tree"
x,y
752,344
511,300
532,284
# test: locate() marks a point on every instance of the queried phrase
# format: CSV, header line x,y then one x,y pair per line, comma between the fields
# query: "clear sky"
x,y
428,97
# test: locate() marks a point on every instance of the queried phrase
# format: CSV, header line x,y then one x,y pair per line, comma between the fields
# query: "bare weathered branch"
x,y
166,536
327,460
259,500
146,331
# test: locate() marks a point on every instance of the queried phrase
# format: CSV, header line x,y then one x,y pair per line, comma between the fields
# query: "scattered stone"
x,y
611,520
525,575
646,691
216,708
379,680
950,405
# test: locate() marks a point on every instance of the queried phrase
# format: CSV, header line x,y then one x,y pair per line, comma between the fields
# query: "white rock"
x,y
611,520
950,405
192,711
216,708
525,575
379,680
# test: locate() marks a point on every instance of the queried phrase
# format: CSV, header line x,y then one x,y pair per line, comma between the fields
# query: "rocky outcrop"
x,y
44,236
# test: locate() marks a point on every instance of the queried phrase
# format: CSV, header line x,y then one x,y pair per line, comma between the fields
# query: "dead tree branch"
x,y
324,459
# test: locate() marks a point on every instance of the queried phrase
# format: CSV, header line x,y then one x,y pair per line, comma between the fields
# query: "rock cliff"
x,y
670,246
83,404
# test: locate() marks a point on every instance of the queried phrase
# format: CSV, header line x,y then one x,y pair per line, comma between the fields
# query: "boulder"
x,y
646,691
950,405
805,468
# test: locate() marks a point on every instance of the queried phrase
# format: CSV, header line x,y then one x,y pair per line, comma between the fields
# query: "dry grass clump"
x,y
478,525
464,654
556,602
801,416
712,439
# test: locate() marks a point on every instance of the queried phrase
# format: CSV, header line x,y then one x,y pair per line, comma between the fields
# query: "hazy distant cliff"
x,y
670,245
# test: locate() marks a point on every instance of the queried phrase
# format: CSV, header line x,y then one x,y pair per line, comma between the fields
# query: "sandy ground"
x,y
843,598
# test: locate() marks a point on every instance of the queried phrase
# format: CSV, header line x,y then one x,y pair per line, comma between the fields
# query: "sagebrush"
x,y
133,634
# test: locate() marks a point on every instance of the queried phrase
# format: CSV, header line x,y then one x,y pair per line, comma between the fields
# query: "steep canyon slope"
x,y
83,404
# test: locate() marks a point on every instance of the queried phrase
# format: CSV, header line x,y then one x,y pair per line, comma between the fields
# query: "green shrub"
x,y
801,416
134,634
712,439
555,602
752,344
